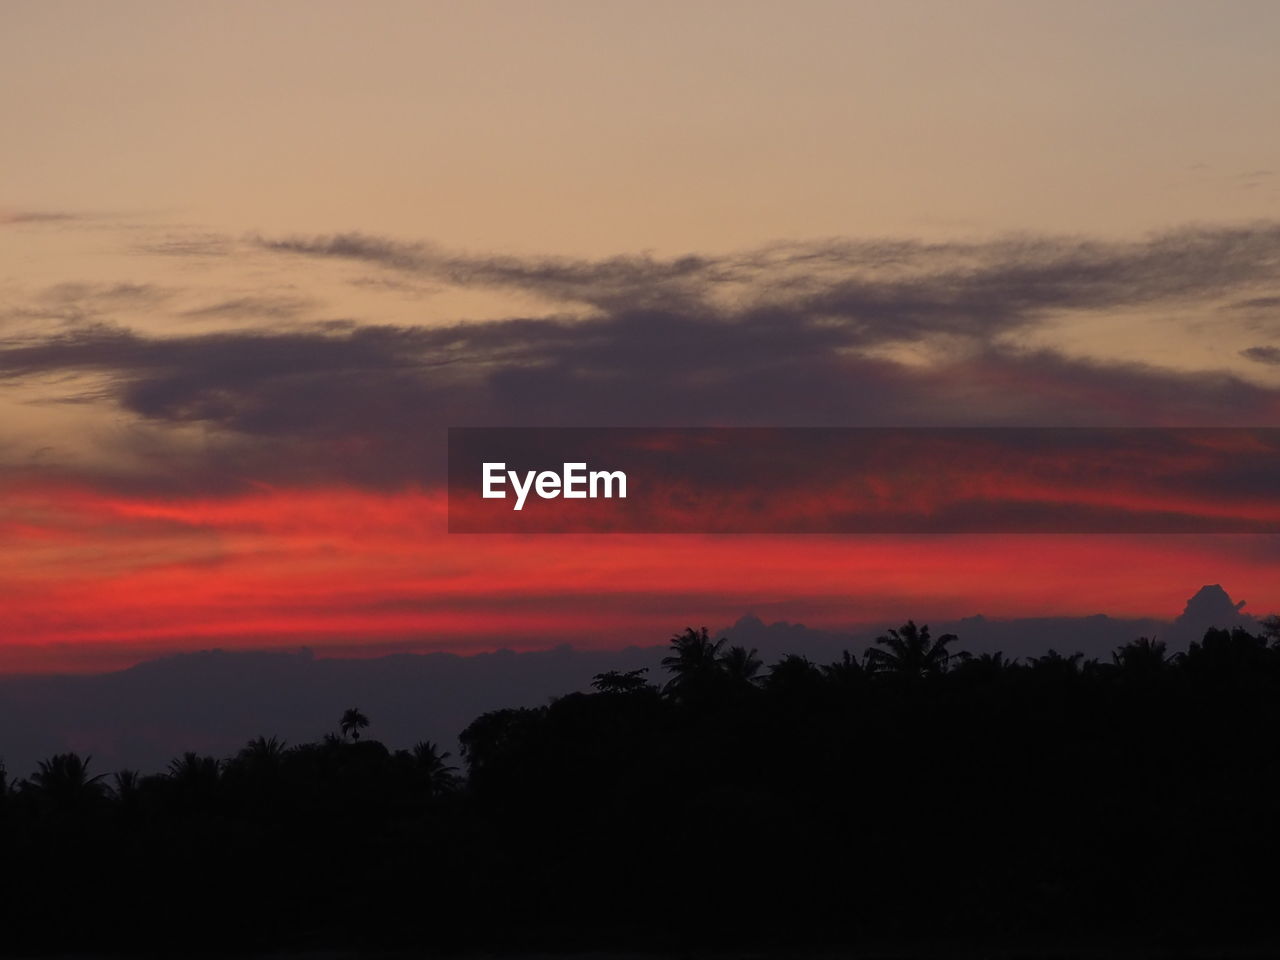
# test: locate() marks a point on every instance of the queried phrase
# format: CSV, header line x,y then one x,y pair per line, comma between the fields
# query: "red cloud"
x,y
89,580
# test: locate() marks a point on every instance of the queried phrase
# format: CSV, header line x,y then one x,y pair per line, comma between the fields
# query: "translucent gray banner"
x,y
800,480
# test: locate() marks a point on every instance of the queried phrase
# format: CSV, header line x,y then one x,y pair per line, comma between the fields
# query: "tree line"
x,y
915,793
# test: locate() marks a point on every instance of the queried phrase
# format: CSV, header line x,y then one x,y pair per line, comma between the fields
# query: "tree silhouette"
x,y
795,683
125,785
909,652
195,780
262,751
193,768
693,662
1271,630
1228,656
496,737
438,776
1056,664
618,681
984,667
257,769
64,778
740,666
846,672
352,722
1142,657
1035,794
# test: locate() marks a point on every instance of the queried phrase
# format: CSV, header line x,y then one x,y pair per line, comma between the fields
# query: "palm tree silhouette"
x,y
195,778
125,785
64,777
621,681
1055,663
693,660
262,751
988,665
353,721
794,680
438,775
1142,657
845,672
909,652
741,665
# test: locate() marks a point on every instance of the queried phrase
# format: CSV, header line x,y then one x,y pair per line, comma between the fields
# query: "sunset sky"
x,y
255,259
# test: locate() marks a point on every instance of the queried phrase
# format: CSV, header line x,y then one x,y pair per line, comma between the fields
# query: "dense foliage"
x,y
911,795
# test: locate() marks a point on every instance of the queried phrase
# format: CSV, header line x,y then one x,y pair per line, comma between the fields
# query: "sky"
x,y
256,259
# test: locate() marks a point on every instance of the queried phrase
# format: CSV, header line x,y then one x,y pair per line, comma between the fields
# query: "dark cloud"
x,y
628,281
270,308
187,245
883,290
370,404
1252,179
37,216
1257,303
1210,607
394,284
1269,355
791,335
78,304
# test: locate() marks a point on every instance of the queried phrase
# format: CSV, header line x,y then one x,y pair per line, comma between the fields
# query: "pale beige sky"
x,y
586,128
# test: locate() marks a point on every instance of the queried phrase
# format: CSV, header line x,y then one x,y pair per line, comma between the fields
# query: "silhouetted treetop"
x,y
909,652
620,681
352,722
